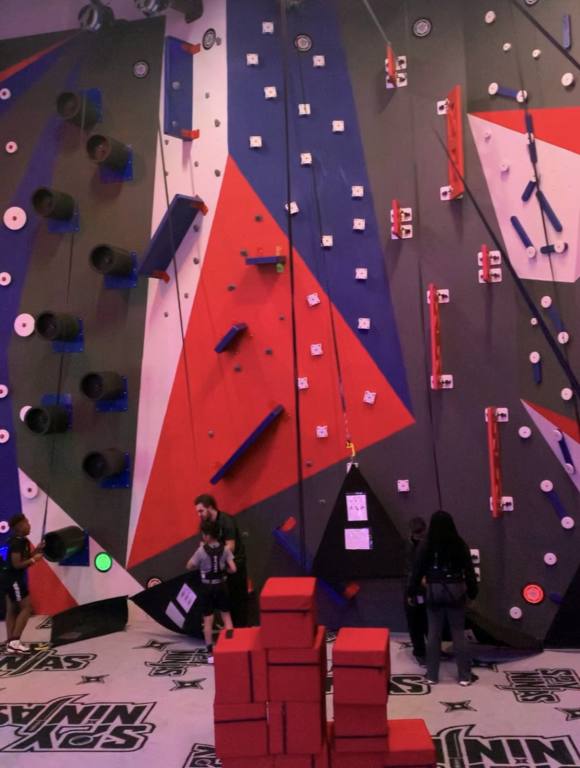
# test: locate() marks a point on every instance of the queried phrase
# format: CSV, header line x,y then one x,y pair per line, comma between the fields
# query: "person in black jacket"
x,y
443,567
415,610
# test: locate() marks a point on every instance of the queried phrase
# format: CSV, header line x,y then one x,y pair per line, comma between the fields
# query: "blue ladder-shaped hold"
x,y
174,225
252,438
548,210
261,261
228,339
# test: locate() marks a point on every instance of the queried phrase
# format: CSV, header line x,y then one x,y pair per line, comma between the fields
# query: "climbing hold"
x,y
358,225
23,411
550,558
327,241
533,321
14,218
403,486
527,193
338,126
567,79
270,92
255,142
24,324
318,61
548,210
566,393
369,397
524,432
304,110
546,301
422,27
267,27
316,350
293,207
140,69
536,53
516,612
11,147
29,489
536,361
357,191
490,17
364,323
566,31
303,43
360,273
313,299
533,594
5,94
506,47
252,59
492,89
5,279
4,435
303,382
322,430
3,391
504,167
305,158
563,337
521,96
522,234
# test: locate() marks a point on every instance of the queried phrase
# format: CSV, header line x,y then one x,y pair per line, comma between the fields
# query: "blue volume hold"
x,y
228,339
523,235
566,455
566,32
527,193
533,151
529,122
555,318
510,93
537,371
548,210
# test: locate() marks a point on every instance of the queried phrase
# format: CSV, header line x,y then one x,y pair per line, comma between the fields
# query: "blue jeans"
x,y
455,614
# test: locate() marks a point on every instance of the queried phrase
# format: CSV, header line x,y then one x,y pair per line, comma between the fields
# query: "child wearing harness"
x,y
214,561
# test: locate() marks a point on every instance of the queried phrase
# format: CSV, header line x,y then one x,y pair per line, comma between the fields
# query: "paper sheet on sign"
x,y
186,597
356,507
173,612
357,538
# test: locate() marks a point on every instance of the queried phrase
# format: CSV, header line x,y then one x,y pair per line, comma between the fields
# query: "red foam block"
x,y
409,744
240,667
360,720
296,728
319,760
260,761
366,760
298,674
361,666
241,730
287,612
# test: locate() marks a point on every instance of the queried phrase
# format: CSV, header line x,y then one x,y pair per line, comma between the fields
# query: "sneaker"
x,y
432,682
17,647
473,679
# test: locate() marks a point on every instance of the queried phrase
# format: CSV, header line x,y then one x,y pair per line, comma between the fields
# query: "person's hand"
x,y
411,601
36,557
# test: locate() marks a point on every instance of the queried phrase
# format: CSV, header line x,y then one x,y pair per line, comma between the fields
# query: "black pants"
x,y
238,589
417,624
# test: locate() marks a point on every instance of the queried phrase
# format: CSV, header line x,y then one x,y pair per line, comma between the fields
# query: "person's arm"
x,y
20,563
417,574
230,564
229,533
193,562
470,577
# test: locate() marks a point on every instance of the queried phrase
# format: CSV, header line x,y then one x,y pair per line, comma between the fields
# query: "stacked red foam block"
x,y
269,707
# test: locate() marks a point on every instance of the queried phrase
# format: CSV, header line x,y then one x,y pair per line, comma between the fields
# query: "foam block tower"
x,y
270,709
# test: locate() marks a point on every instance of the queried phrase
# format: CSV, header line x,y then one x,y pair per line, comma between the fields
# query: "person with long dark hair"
x,y
443,568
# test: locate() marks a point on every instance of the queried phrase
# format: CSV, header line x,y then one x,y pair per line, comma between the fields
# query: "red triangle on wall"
x,y
47,592
559,126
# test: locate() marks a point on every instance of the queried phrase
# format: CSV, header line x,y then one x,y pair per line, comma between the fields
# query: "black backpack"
x,y
217,572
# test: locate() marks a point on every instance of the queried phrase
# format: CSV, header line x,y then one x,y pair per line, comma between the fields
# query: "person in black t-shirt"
x,y
14,581
229,535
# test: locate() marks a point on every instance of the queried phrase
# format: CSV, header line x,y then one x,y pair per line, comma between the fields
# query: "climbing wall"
x,y
381,265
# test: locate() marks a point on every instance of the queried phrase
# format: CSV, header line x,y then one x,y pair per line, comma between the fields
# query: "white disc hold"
x,y
5,279
14,218
24,325
563,337
5,94
550,558
570,468
4,435
490,17
504,167
531,252
29,490
566,394
492,89
516,612
533,321
3,391
546,302
567,523
525,432
536,53
506,47
560,246
521,97
547,486
567,79
23,411
535,357
4,527
11,147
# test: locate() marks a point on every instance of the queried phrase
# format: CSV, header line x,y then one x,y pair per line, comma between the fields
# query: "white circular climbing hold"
x,y
567,79
506,47
5,279
567,523
570,468
492,89
563,337
557,434
29,489
3,391
531,252
566,393
504,167
11,147
516,612
560,246
5,94
23,411
24,324
524,432
490,17
550,558
4,527
547,486
546,301
533,321
487,135
521,96
535,357
4,436
536,53
14,218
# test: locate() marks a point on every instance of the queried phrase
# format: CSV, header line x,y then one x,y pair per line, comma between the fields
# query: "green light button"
x,y
103,562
